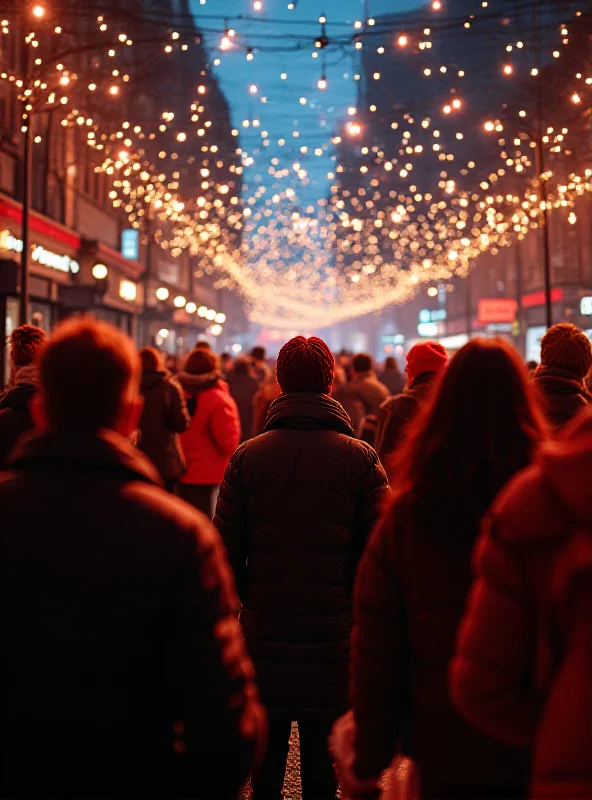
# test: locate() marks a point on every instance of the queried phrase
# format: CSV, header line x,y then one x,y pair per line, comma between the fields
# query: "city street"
x,y
296,320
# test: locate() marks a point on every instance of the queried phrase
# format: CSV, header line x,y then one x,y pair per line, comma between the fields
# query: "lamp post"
x,y
26,187
544,226
538,144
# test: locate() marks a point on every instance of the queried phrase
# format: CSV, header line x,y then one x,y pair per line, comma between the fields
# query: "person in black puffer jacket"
x,y
15,419
295,510
164,417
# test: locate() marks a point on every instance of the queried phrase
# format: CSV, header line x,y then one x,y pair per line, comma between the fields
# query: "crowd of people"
x,y
192,562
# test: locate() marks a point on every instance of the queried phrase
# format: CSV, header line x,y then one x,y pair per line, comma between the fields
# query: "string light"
x,y
434,232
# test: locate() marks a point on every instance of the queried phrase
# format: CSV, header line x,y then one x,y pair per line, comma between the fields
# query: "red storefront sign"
x,y
497,310
40,224
538,298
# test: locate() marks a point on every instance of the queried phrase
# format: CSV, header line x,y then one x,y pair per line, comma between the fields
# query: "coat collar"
x,y
196,384
308,411
560,382
104,451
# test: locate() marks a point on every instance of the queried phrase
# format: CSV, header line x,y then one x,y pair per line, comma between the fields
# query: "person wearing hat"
x,y
566,359
425,362
295,510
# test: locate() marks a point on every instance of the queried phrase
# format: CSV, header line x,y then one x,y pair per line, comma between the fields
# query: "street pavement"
x,y
292,789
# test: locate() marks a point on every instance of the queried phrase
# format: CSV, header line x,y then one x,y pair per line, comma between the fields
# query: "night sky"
x,y
277,104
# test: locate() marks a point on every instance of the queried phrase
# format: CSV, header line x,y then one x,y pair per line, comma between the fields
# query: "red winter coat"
x,y
523,670
214,432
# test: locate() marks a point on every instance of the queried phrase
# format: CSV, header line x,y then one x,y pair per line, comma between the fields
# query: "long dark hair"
x,y
480,427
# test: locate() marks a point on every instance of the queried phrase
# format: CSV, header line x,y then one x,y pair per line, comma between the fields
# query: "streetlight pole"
x,y
544,225
26,200
27,116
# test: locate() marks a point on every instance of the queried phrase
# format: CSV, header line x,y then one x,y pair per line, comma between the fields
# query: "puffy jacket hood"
x,y
104,452
194,384
543,500
151,379
567,465
308,411
18,398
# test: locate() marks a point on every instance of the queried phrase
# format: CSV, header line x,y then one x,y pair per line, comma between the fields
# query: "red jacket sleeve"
x,y
377,655
493,674
225,426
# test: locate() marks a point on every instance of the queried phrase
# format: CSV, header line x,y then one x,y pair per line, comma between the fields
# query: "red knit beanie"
x,y
305,365
567,348
425,357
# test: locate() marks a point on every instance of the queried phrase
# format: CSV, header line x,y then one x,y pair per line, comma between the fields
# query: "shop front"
x,y
53,263
108,287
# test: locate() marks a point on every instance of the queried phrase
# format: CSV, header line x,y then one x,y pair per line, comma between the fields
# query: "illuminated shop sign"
x,y
586,306
130,244
39,254
432,315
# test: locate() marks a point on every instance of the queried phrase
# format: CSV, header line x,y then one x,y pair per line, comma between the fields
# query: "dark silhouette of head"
x,y
480,427
390,363
202,362
90,377
362,363
201,344
151,359
567,348
26,342
305,365
258,353
242,365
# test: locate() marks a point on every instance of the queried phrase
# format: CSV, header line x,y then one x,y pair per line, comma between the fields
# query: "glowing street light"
x,y
38,11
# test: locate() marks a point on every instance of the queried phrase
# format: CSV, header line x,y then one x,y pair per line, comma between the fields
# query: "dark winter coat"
x,y
164,417
393,380
562,395
243,387
123,667
295,509
396,414
524,656
410,596
15,418
369,391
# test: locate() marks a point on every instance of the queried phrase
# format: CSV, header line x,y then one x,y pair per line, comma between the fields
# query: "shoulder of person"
x,y
363,452
527,511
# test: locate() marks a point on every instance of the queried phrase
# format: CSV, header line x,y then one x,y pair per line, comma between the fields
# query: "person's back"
x,y
416,573
562,763
117,615
366,386
391,376
15,418
243,386
213,433
164,417
425,362
524,652
295,509
566,359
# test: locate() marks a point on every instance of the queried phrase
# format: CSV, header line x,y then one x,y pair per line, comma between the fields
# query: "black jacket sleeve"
x,y
178,418
231,516
219,724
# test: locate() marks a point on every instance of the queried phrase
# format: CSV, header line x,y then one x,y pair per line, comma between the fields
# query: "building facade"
x,y
86,256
